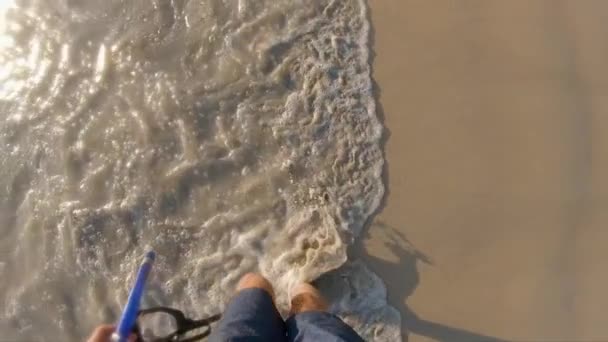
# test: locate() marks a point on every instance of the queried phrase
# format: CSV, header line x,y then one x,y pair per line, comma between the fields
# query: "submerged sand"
x,y
495,223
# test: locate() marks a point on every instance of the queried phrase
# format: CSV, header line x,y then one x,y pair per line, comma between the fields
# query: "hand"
x,y
103,333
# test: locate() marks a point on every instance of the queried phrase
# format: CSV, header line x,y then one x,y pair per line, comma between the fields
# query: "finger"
x,y
102,333
132,338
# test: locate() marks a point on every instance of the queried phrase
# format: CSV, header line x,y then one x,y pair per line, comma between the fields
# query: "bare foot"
x,y
305,298
254,280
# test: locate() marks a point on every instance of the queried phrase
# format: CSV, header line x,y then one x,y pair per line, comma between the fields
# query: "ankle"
x,y
307,298
254,280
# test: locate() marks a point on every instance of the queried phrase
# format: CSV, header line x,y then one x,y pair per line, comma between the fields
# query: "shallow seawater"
x,y
229,136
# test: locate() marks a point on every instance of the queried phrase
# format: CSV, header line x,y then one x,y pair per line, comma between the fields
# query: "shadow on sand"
x,y
402,280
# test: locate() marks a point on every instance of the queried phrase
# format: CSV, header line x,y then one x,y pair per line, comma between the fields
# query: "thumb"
x,y
102,333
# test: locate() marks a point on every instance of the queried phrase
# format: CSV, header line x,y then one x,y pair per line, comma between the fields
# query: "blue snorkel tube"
x,y
129,314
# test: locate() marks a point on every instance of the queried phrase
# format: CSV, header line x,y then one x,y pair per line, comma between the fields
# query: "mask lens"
x,y
156,325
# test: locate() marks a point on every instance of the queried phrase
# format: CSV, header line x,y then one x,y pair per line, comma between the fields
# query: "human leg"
x,y
251,315
309,320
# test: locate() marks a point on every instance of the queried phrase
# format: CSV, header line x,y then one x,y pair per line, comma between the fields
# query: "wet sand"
x,y
495,225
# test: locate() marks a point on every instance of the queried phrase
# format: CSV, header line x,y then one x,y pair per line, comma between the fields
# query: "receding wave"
x,y
229,136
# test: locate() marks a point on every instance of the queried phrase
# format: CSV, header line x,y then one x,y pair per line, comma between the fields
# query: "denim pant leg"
x,y
250,316
316,326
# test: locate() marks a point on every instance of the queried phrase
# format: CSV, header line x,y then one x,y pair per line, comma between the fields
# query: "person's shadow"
x,y
401,279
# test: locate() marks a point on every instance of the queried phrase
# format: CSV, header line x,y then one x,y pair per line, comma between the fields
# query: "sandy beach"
x,y
494,226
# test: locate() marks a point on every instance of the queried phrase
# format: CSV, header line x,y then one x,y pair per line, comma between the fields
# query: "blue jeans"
x,y
252,316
